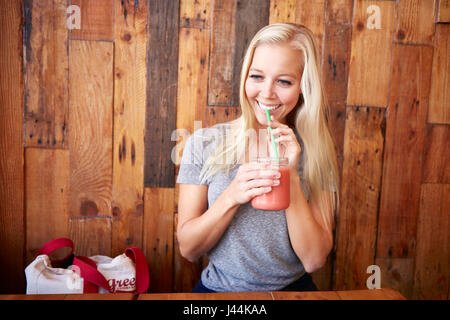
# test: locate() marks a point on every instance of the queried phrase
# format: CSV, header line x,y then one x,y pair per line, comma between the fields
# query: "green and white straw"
x,y
274,145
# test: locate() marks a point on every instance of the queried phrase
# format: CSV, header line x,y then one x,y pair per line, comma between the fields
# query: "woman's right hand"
x,y
252,179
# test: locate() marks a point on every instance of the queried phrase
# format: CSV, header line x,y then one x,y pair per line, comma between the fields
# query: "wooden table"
x,y
376,294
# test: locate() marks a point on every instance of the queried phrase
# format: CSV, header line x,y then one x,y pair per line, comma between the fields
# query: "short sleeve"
x,y
192,161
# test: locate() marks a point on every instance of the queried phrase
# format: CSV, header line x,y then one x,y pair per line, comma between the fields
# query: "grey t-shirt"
x,y
254,253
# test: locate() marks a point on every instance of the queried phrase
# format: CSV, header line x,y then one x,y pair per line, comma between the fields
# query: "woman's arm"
x,y
199,229
311,238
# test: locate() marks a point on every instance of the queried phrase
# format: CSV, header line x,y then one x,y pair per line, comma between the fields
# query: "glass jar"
x,y
278,198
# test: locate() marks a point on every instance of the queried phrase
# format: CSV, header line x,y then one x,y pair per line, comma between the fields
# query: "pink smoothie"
x,y
278,198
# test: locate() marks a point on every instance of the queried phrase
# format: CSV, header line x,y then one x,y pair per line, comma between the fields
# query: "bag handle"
x,y
92,278
56,244
142,276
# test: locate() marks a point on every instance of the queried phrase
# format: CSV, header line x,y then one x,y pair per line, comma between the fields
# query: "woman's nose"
x,y
267,89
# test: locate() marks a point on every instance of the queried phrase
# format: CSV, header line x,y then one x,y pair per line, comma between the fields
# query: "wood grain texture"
x,y
251,16
360,190
370,59
436,164
443,10
47,188
91,123
192,77
12,221
130,98
97,20
338,11
335,69
158,237
397,273
305,295
405,133
45,73
162,67
221,53
378,294
414,21
439,111
282,11
311,14
432,269
91,235
195,14
216,115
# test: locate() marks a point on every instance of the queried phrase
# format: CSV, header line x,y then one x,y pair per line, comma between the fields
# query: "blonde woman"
x,y
250,249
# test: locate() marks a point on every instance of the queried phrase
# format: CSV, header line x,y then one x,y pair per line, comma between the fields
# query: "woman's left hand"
x,y
288,145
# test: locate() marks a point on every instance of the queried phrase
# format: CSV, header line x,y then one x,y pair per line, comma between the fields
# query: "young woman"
x,y
249,249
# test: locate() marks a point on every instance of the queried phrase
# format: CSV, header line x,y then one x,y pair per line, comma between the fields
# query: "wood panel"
x,y
440,81
195,14
379,294
45,73
396,273
130,99
251,15
431,274
436,164
216,115
11,150
158,237
360,190
443,10
370,59
405,133
192,77
97,20
91,122
91,235
47,188
335,69
221,53
414,21
282,11
162,67
311,14
338,11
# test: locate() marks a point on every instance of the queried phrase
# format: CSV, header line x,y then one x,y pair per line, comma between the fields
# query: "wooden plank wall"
x,y
90,117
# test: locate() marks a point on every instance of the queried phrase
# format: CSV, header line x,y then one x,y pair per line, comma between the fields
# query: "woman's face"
x,y
273,81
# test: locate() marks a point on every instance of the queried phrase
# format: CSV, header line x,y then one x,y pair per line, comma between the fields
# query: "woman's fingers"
x,y
255,179
259,191
258,183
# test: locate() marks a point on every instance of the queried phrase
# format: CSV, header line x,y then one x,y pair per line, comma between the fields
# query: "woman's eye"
x,y
256,76
285,82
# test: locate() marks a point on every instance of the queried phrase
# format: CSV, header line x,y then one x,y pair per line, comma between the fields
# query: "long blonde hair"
x,y
320,162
